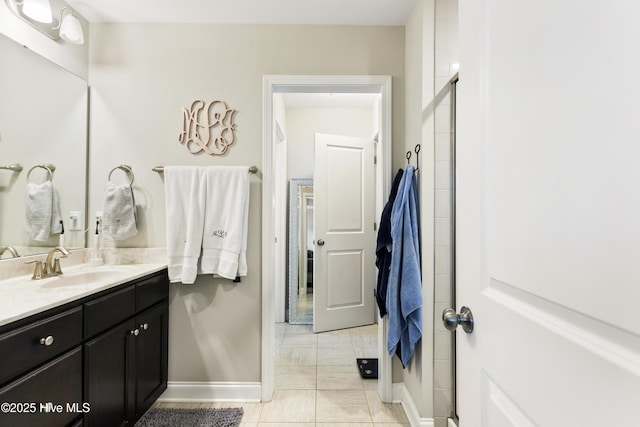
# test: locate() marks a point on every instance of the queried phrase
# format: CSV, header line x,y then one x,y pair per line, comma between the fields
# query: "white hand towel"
x,y
38,210
119,212
224,244
185,188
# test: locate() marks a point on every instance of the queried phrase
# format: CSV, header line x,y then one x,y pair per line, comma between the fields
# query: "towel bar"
x,y
252,169
16,167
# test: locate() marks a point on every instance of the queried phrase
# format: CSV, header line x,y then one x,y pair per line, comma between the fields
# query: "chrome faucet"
x,y
11,249
51,265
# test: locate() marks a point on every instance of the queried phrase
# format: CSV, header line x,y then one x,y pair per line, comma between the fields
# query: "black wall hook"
x,y
417,151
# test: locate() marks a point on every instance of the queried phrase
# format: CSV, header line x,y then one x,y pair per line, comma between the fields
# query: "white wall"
x,y
142,76
304,123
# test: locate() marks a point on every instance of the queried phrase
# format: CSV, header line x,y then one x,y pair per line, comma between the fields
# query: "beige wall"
x,y
304,123
141,77
418,377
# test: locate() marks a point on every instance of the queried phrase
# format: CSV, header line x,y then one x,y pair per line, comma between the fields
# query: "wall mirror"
x,y
43,120
301,248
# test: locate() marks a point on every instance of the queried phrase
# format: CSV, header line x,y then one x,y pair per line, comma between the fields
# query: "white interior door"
x,y
344,233
548,229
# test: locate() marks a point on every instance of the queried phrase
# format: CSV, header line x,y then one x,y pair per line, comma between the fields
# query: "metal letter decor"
x,y
207,127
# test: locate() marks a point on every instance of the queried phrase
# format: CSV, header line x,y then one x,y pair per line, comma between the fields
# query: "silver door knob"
x,y
451,320
320,242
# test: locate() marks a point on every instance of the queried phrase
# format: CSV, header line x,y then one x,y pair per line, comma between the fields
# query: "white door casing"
x,y
344,260
547,213
292,83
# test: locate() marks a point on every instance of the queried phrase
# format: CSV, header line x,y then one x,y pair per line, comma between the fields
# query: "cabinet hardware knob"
x,y
135,332
46,341
144,326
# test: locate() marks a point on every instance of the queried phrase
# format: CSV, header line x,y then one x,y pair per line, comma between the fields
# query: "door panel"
x,y
547,202
344,277
343,268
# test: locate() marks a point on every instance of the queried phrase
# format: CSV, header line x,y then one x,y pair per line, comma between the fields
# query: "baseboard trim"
x,y
184,391
402,395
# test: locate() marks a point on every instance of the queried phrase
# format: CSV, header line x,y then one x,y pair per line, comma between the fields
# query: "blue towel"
x,y
404,290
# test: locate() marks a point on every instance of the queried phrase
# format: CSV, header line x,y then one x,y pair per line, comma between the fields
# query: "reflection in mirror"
x,y
301,249
43,121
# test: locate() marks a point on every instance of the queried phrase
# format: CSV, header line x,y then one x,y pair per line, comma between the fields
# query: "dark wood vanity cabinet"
x,y
106,365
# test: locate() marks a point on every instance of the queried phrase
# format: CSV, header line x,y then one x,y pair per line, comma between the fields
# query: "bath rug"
x,y
368,368
191,417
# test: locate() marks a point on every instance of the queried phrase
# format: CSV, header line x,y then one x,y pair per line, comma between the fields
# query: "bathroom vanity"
x,y
97,359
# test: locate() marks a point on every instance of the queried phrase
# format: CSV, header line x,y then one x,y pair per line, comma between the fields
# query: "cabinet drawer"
x,y
27,347
58,382
151,291
102,313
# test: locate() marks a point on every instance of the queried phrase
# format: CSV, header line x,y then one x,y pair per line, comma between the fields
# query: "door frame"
x,y
291,83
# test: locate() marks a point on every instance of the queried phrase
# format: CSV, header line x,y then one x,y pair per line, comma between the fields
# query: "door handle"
x,y
451,320
320,242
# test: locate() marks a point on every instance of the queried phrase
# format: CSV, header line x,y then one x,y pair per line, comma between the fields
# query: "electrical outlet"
x,y
75,221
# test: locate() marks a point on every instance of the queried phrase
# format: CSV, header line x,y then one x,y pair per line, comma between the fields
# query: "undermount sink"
x,y
86,277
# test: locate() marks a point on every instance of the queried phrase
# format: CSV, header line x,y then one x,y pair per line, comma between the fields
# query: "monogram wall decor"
x,y
207,127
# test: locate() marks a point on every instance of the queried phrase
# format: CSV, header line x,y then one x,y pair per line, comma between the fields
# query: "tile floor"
x,y
318,385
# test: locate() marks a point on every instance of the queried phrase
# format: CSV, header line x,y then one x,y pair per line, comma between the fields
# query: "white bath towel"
x,y
224,244
185,188
119,220
42,211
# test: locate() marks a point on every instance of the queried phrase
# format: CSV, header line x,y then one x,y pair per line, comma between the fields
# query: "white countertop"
x,y
21,297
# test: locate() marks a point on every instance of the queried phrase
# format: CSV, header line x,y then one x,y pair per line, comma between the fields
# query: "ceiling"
x,y
315,12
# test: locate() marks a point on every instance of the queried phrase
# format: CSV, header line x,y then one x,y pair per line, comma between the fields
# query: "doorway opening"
x,y
274,210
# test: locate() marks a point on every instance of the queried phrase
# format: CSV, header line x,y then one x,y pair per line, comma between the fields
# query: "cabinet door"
x,y
50,396
152,351
109,377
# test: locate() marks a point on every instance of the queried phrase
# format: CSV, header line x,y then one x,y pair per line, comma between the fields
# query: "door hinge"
x,y
375,226
375,160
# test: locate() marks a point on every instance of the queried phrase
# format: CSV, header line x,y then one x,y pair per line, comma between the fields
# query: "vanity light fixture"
x,y
39,15
39,10
70,27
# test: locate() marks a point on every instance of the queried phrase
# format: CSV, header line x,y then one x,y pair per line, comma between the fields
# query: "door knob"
x,y
320,242
451,320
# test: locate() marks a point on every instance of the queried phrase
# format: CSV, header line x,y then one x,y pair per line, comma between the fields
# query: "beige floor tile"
x,y
334,340
296,356
287,425
369,384
299,329
342,406
385,412
295,377
391,425
366,352
289,406
336,356
300,340
339,378
344,425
